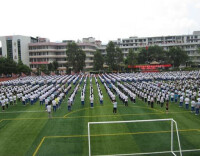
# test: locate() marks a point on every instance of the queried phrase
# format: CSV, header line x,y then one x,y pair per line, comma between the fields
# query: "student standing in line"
x,y
162,101
114,106
92,101
101,99
54,105
49,110
69,104
152,101
3,104
82,99
197,108
187,100
167,106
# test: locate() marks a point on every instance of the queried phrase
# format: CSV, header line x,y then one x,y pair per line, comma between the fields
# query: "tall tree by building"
x,y
75,57
98,60
110,56
177,56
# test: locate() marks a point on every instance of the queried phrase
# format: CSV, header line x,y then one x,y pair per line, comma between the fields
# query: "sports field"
x,y
27,130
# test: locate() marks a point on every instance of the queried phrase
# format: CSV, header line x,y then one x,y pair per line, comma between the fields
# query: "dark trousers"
x,y
114,110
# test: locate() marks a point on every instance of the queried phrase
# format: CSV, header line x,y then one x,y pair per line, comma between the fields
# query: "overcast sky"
x,y
103,19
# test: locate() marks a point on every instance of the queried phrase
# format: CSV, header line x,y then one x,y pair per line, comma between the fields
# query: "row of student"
x,y
165,96
72,97
83,91
99,91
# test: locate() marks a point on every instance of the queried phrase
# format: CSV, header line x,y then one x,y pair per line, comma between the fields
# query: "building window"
x,y
19,50
9,49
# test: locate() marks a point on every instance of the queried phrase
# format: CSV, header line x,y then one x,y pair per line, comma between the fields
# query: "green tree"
x,y
55,65
177,56
50,67
111,55
131,58
43,68
153,53
98,60
75,57
119,58
23,68
7,66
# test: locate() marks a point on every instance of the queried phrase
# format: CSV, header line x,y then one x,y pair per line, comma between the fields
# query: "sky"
x,y
103,19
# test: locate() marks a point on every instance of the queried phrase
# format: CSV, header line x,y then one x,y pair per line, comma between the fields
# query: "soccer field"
x,y
27,130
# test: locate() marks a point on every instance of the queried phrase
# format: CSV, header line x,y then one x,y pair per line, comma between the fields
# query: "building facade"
x,y
189,43
44,53
16,47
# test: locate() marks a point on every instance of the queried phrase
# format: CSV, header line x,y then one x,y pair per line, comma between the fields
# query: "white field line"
x,y
22,112
189,150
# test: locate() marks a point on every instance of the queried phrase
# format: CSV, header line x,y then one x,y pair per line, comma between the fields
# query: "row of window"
x,y
46,53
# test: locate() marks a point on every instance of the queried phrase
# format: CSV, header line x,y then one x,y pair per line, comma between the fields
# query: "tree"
x,y
55,65
98,60
43,68
131,58
119,58
75,57
177,56
50,67
7,66
110,56
153,53
23,68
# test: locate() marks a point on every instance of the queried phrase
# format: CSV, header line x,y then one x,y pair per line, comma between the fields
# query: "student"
x,y
49,110
69,104
167,106
152,101
114,106
92,101
46,103
3,104
126,100
187,100
181,101
101,99
158,99
162,101
193,106
41,100
24,100
149,99
14,98
197,108
54,105
82,99
11,100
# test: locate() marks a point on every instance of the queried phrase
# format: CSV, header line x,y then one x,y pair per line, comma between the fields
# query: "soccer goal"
x,y
172,125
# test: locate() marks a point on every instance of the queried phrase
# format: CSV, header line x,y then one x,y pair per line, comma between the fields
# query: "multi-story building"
x,y
16,47
47,52
189,43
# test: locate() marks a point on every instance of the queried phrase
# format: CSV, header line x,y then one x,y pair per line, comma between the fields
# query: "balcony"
x,y
48,56
89,61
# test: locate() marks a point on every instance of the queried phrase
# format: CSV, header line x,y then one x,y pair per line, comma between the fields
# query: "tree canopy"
x,y
75,57
8,66
177,56
98,61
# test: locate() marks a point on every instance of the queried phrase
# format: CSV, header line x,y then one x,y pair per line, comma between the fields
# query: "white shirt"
x,y
115,104
54,103
187,100
49,108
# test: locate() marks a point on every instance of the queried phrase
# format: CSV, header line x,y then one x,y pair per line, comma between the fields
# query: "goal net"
x,y
134,137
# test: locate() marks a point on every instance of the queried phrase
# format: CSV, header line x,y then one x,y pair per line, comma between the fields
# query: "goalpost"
x,y
134,121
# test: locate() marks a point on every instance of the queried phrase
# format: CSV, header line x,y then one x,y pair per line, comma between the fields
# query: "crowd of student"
x,y
182,88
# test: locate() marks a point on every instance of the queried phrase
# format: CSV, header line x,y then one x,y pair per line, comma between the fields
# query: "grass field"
x,y
26,130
